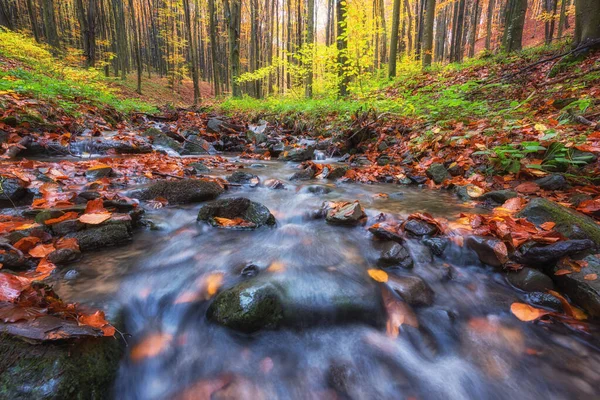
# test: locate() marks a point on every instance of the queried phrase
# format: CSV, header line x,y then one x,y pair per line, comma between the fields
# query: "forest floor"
x,y
497,131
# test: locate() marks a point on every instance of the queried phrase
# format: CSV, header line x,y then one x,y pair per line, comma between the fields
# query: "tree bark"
x,y
474,25
193,50
50,23
428,34
342,47
212,26
490,20
233,9
136,46
587,21
310,41
394,40
33,18
514,21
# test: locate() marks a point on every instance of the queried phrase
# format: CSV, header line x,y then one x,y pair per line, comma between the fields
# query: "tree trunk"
x,y
342,47
383,58
394,40
91,35
428,34
33,19
136,46
212,26
50,23
233,12
490,20
563,16
474,25
310,41
514,21
193,50
587,21
457,36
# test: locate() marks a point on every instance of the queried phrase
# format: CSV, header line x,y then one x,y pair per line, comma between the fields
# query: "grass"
x,y
40,75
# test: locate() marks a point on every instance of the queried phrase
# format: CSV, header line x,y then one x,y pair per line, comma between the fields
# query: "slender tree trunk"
x,y
457,36
33,19
342,47
193,50
428,34
474,25
136,46
233,11
514,21
490,20
50,23
394,40
409,35
562,18
383,58
310,41
212,26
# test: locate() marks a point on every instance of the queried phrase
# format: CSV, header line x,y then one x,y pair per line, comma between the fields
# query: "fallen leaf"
x,y
378,275
563,272
151,346
65,217
41,250
97,320
95,219
526,313
27,243
95,206
591,277
548,226
571,311
236,222
528,188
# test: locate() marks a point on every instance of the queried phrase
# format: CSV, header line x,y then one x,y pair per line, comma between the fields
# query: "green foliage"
x,y
44,77
507,158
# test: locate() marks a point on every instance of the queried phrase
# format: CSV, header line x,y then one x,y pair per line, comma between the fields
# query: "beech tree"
x,y
428,34
587,21
514,21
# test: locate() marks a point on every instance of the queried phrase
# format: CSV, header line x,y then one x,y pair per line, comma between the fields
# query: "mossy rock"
x,y
570,223
181,191
239,207
73,369
248,307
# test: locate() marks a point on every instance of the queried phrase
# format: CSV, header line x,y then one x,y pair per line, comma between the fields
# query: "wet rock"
x,y
243,178
274,184
552,182
343,378
570,223
383,160
318,189
542,255
437,245
490,250
64,256
258,166
337,172
530,280
419,180
546,300
215,125
13,260
96,173
66,227
577,198
194,144
11,191
304,174
386,232
298,154
248,307
276,149
437,173
584,292
350,214
238,207
65,369
395,254
180,191
159,138
103,236
274,301
417,227
100,146
200,168
45,215
499,196
257,133
413,289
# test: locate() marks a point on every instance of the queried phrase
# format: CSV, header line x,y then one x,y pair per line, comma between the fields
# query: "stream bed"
x,y
467,344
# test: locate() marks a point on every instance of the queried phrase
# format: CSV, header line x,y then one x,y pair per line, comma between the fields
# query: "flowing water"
x,y
467,346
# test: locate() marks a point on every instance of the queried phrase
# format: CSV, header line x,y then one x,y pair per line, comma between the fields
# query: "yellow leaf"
x,y
378,275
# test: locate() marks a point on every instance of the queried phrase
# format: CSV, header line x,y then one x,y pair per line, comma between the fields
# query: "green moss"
x,y
82,369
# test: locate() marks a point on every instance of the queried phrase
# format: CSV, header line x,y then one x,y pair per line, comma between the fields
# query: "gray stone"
x,y
238,207
98,173
180,191
570,223
437,245
197,145
214,125
552,182
11,191
489,250
438,173
304,175
545,300
395,254
298,154
499,196
103,236
542,255
420,228
530,280
413,289
243,178
337,172
350,214
274,184
585,293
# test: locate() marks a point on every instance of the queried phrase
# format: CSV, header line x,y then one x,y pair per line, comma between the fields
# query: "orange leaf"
x,y
41,250
563,272
526,313
27,243
591,277
64,217
226,222
67,243
548,226
151,346
97,320
95,219
569,309
11,286
95,206
527,188
378,275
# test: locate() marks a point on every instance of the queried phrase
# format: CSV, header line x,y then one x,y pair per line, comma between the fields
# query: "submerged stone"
x,y
239,207
437,173
530,280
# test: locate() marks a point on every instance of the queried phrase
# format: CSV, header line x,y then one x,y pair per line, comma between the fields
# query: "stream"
x,y
467,346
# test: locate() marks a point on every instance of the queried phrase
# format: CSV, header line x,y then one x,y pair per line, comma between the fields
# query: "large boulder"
x,y
583,287
59,369
194,144
276,301
570,223
106,235
180,191
254,215
12,192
